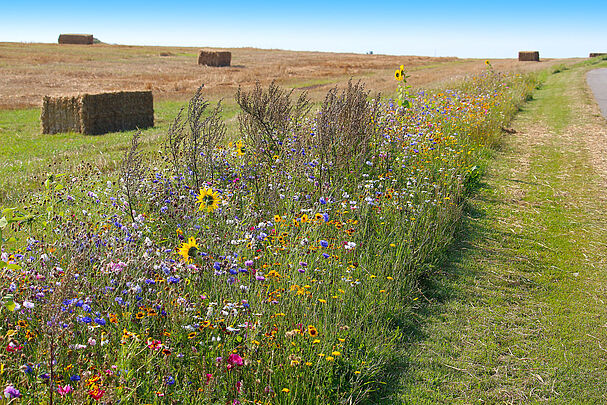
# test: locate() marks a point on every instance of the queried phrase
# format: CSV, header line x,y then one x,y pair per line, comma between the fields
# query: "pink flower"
x,y
66,389
234,360
209,377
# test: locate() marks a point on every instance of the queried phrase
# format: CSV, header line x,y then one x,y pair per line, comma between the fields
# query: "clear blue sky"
x,y
483,29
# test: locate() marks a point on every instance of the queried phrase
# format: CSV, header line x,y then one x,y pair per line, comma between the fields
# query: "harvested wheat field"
x,y
28,72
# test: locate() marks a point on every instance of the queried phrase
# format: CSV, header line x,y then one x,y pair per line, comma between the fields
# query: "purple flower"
x,y
249,263
75,377
325,255
323,201
11,392
324,243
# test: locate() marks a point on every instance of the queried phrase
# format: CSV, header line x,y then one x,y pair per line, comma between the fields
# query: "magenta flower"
x,y
66,389
234,360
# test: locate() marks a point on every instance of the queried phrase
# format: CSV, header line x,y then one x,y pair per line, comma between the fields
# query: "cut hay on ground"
x,y
214,58
529,56
595,54
95,114
80,39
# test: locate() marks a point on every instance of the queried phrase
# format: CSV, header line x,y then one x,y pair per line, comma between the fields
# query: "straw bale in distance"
x,y
214,58
595,54
529,56
98,113
80,39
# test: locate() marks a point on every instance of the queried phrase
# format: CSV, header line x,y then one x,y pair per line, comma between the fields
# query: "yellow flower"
x,y
239,148
208,200
286,390
188,250
398,75
487,63
336,354
312,330
277,218
329,358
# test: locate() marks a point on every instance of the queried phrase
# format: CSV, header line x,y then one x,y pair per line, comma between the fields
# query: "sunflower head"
x,y
312,331
240,148
398,75
188,250
208,200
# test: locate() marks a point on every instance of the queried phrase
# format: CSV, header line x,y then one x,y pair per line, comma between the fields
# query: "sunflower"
x,y
487,63
312,331
188,249
239,148
208,200
398,75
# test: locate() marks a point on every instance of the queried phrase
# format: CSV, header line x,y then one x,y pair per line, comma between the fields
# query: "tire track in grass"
x,y
520,312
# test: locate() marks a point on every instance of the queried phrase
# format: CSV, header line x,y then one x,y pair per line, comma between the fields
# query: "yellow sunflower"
x,y
188,249
208,200
239,148
398,75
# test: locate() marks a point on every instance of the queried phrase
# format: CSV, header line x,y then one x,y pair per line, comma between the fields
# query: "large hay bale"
x,y
80,39
529,56
95,114
214,58
595,54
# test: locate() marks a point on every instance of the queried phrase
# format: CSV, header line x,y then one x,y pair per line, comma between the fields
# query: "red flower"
x,y
96,394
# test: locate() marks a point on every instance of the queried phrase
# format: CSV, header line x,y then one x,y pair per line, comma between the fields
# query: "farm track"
x,y
519,314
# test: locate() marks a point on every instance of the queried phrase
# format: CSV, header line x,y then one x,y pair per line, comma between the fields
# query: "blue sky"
x,y
483,29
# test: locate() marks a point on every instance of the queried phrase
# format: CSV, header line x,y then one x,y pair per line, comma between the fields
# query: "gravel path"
x,y
597,80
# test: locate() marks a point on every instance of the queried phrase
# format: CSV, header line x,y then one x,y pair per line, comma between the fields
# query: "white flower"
x,y
350,245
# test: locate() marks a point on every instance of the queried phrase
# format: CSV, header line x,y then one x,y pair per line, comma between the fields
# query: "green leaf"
x,y
9,303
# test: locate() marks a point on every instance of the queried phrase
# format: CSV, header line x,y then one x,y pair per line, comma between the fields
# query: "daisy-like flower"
x,y
398,75
188,250
208,200
312,331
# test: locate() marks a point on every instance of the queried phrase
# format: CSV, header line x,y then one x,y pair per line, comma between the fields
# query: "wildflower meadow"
x,y
278,265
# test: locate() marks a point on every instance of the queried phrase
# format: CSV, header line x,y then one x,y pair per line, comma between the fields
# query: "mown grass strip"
x,y
519,313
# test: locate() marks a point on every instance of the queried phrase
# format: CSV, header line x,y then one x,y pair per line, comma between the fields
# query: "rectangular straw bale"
x,y
595,54
529,56
81,39
214,58
98,113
